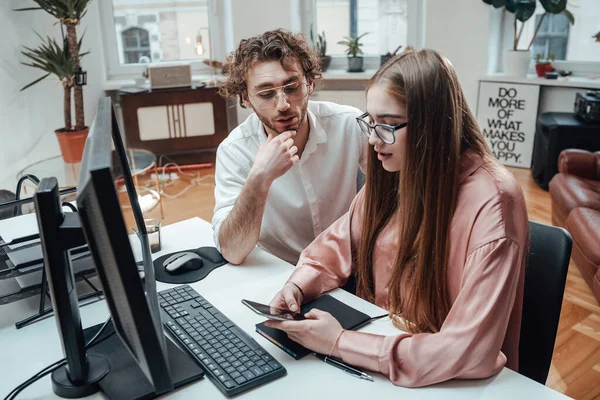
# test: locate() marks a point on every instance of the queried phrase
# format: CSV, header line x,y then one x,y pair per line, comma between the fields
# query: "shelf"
x,y
569,81
342,74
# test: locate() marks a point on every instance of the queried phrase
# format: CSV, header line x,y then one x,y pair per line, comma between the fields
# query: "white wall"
x,y
459,29
28,119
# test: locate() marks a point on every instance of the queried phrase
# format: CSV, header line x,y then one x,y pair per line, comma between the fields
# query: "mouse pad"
x,y
210,256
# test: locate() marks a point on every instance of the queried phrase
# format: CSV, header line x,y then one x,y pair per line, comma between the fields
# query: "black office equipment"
x,y
145,362
210,257
58,233
230,357
556,132
350,318
587,106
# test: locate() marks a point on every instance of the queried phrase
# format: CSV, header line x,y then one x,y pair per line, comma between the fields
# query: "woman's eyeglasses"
x,y
268,98
387,133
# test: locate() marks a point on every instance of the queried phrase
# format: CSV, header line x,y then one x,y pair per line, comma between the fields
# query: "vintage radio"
x,y
173,76
587,106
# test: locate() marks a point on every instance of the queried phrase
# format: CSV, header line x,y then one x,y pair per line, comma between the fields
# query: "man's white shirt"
x,y
309,197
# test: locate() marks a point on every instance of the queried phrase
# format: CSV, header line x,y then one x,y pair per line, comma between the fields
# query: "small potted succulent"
x,y
321,46
354,52
543,65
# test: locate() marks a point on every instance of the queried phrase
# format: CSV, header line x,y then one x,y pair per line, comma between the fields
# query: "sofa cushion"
x,y
584,226
571,191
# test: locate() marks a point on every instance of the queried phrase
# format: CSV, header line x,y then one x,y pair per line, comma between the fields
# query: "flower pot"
x,y
516,62
325,61
71,144
541,69
355,64
385,58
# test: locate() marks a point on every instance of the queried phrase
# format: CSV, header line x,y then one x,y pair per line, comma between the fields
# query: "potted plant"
x,y
353,50
321,46
544,65
64,61
516,62
388,56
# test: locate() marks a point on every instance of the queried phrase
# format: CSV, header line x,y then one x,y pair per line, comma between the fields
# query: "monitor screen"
x,y
135,314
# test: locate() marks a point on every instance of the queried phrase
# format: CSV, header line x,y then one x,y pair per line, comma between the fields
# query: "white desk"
x,y
24,352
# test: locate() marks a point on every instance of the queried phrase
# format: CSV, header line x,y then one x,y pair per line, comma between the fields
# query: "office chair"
x,y
545,277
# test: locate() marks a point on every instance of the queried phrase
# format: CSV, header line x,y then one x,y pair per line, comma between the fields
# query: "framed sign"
x,y
507,115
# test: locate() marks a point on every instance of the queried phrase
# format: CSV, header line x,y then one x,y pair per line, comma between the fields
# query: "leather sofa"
x,y
575,193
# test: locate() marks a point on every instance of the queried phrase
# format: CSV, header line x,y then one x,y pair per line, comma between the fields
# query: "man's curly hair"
x,y
277,45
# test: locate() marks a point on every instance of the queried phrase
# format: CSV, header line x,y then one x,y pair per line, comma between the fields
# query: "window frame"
x,y
550,34
501,30
415,34
116,71
138,48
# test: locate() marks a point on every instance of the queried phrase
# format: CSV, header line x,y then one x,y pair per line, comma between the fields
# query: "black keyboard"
x,y
228,355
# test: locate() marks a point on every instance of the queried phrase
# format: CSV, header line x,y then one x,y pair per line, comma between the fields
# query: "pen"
x,y
344,367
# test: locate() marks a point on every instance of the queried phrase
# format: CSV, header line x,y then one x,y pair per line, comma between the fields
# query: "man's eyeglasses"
x,y
268,98
387,133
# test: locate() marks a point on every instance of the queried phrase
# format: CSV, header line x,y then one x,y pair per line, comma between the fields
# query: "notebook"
x,y
350,318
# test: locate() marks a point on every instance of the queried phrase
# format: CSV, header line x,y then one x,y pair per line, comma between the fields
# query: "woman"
x,y
438,236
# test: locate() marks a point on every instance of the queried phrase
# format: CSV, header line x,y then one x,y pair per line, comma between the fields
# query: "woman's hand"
x,y
290,297
318,332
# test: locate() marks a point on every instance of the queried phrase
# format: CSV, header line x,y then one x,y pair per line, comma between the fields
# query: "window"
x,y
552,37
573,45
139,32
136,44
388,24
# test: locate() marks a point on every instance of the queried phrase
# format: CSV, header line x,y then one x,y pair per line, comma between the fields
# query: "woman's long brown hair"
x,y
423,193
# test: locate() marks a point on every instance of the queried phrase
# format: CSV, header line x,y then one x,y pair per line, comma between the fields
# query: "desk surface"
x,y
26,351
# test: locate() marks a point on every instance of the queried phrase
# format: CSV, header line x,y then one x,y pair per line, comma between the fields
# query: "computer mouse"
x,y
183,262
211,254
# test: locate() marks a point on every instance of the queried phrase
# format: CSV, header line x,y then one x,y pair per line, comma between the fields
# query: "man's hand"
x,y
318,332
275,157
288,298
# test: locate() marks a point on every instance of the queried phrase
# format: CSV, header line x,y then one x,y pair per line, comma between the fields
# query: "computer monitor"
x,y
135,312
136,316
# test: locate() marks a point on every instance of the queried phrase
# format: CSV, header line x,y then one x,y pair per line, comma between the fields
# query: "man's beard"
x,y
295,127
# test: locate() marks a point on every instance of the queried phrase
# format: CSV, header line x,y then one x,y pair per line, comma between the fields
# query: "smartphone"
x,y
275,313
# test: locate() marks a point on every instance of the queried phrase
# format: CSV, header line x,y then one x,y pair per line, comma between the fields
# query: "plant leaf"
x,y
570,16
495,3
34,82
524,10
554,6
27,9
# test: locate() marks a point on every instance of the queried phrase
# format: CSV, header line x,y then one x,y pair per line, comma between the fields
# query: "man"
x,y
289,171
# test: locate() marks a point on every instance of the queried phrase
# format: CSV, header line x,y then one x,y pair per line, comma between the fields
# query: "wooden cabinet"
x,y
185,124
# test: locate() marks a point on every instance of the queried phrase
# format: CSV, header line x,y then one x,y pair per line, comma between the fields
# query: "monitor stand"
x,y
125,379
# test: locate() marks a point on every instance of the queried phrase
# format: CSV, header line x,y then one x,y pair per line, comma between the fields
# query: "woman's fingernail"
x,y
293,307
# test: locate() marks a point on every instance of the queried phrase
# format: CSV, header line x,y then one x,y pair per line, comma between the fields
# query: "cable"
x,y
54,366
69,205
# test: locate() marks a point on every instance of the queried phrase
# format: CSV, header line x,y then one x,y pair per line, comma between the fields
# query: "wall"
x,y
29,118
249,19
459,29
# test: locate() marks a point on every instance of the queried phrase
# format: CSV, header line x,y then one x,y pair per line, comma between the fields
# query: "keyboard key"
x,y
274,364
240,379
228,384
248,375
266,368
257,371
